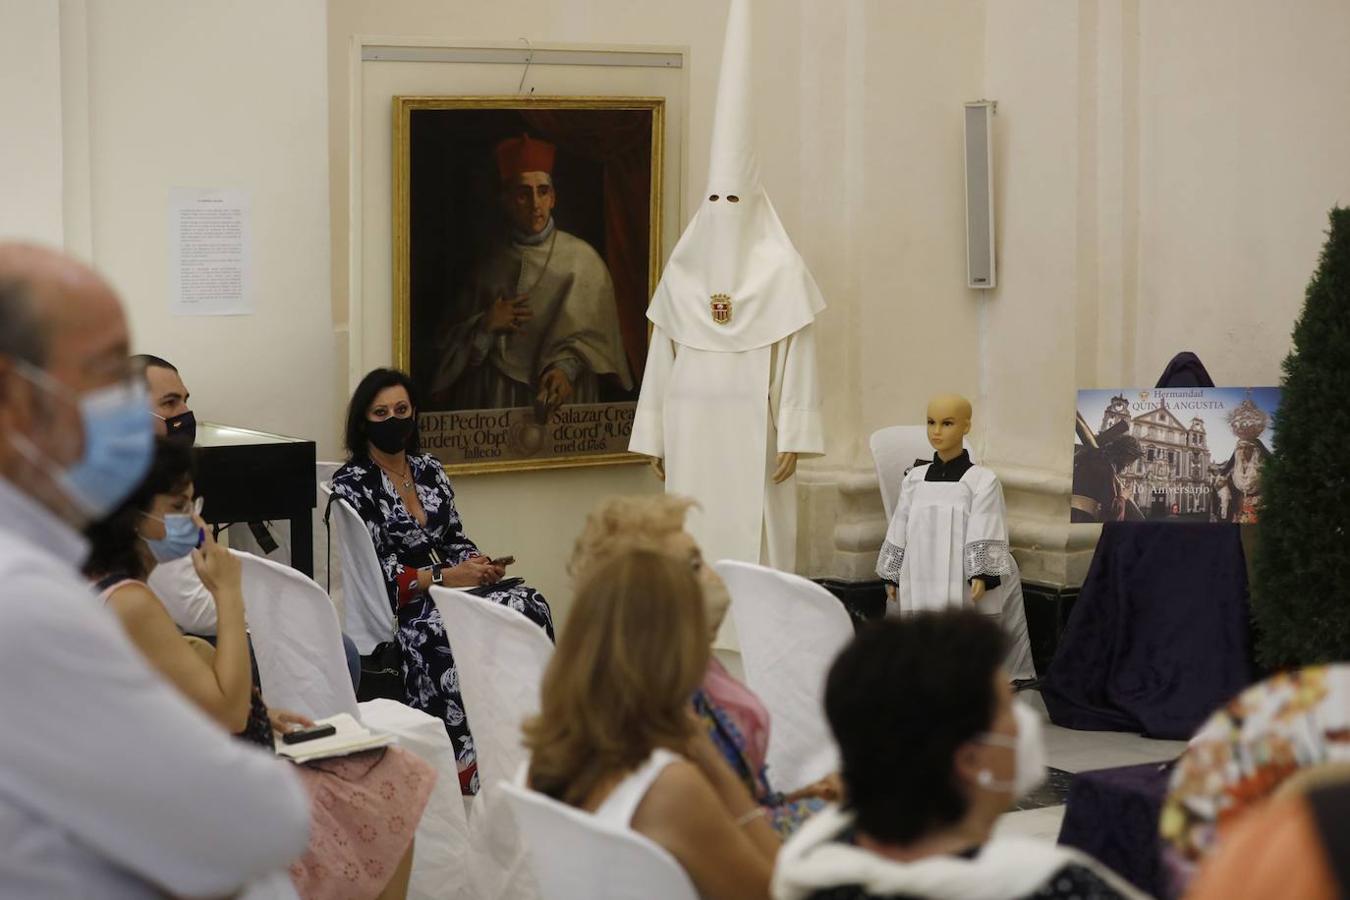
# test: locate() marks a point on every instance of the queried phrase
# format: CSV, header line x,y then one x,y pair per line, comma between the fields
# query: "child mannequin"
x,y
947,544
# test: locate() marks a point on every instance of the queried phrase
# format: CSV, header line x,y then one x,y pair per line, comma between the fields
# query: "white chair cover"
x,y
241,536
791,630
574,855
331,581
500,657
894,450
440,858
369,618
277,886
296,640
501,869
302,667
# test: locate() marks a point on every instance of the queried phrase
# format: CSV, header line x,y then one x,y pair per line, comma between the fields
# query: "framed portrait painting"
x,y
526,248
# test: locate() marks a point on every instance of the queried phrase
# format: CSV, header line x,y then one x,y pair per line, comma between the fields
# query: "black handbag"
x,y
382,674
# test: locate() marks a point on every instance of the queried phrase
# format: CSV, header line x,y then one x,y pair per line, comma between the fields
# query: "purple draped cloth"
x,y
1112,815
1159,637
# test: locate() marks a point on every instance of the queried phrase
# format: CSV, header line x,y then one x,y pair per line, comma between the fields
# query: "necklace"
x,y
404,480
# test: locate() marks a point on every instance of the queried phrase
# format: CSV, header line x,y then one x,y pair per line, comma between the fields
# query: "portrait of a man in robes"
x,y
536,324
530,260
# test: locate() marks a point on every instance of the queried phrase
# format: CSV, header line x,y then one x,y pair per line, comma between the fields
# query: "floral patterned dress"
x,y
401,543
1292,721
732,736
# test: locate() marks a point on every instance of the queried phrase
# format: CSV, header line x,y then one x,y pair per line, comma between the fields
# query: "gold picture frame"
x,y
450,241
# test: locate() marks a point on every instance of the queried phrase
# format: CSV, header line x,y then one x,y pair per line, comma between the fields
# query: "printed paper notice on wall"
x,y
209,254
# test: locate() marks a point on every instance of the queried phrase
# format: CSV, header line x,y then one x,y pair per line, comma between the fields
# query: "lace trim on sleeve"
x,y
890,561
988,558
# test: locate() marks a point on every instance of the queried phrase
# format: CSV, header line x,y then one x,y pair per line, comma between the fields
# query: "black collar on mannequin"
x,y
948,471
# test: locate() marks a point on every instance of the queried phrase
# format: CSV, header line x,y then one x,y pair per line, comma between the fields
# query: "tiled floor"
x,y
1081,751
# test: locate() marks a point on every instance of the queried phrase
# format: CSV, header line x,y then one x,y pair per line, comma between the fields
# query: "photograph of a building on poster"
x,y
1178,454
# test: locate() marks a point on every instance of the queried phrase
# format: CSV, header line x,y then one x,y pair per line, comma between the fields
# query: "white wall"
x,y
30,139
1164,172
1244,147
220,95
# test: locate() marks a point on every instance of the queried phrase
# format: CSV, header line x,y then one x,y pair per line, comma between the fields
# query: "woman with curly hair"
x,y
733,716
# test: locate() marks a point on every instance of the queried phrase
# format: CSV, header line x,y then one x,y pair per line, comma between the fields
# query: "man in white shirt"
x,y
111,783
175,583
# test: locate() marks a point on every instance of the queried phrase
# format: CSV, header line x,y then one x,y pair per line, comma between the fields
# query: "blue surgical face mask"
x,y
182,535
119,443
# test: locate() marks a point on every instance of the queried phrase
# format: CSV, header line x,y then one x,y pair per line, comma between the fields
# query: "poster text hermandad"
x,y
527,243
1172,454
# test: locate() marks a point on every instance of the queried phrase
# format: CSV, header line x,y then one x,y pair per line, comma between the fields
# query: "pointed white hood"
x,y
734,281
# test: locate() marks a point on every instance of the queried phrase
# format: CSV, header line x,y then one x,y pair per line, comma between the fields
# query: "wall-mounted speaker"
x,y
980,271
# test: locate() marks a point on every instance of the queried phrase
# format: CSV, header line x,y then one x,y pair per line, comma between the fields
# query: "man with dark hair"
x,y
110,784
176,583
934,750
168,398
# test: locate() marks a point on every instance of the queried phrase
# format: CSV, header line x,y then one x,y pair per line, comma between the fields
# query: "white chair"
x,y
441,855
332,581
296,640
500,657
574,856
369,618
894,450
302,667
791,630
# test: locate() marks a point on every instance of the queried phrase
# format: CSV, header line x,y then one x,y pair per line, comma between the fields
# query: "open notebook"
x,y
351,737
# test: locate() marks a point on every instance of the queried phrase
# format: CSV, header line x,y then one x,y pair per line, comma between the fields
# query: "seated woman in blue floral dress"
x,y
406,501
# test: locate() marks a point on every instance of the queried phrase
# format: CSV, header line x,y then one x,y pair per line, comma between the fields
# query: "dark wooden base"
x,y
1047,610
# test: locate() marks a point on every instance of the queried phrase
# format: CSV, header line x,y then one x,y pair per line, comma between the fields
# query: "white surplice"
x,y
943,534
719,420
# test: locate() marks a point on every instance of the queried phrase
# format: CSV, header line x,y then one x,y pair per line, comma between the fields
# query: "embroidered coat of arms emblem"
x,y
721,309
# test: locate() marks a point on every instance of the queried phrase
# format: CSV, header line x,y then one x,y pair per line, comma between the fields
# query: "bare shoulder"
x,y
681,793
135,604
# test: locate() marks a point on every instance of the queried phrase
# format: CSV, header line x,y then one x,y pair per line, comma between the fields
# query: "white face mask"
x,y
1029,751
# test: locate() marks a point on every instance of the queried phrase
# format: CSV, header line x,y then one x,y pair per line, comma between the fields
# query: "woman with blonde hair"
x,y
733,716
614,735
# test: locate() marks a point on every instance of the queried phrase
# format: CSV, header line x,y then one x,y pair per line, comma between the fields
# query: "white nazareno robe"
x,y
719,420
943,534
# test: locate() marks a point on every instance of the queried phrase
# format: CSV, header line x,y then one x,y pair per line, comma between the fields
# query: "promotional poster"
x,y
1171,454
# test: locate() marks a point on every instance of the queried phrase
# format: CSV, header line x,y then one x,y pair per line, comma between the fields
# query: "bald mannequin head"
x,y
948,424
58,316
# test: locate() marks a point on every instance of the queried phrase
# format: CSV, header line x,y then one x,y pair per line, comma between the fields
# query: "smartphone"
x,y
309,734
503,560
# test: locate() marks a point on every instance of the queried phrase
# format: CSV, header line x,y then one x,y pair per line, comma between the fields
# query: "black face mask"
x,y
182,428
391,434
